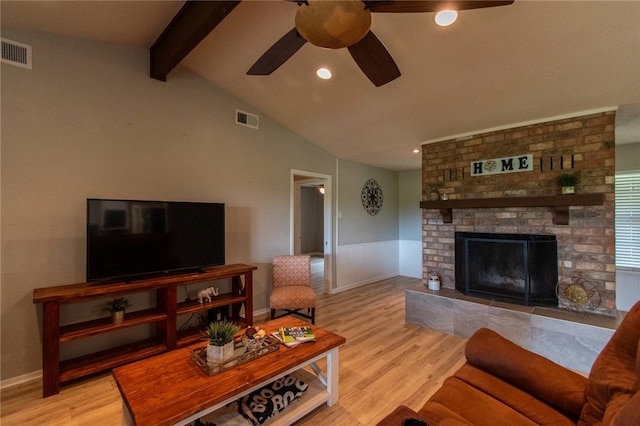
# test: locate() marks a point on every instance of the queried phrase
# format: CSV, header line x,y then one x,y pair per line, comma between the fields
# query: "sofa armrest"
x,y
539,376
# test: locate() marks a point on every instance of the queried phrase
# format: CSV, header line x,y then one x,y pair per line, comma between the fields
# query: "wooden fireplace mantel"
x,y
560,204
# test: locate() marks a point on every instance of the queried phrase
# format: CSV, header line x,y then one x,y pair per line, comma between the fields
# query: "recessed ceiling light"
x,y
445,18
323,73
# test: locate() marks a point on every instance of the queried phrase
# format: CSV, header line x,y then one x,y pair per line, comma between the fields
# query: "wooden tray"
x,y
240,355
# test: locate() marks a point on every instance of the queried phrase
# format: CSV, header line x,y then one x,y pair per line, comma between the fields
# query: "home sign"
x,y
497,166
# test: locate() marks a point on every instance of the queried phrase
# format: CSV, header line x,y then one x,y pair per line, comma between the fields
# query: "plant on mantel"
x,y
568,181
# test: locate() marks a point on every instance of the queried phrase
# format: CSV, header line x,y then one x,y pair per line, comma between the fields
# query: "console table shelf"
x,y
192,306
96,362
560,204
104,325
164,315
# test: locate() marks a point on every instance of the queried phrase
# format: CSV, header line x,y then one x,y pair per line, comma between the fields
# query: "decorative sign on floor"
x,y
497,166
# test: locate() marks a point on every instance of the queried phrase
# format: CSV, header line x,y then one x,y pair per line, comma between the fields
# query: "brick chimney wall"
x,y
586,247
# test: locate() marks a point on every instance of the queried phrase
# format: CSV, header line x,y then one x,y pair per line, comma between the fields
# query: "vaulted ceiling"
x,y
494,67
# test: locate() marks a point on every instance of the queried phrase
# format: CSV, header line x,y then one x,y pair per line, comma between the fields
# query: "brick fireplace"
x,y
586,245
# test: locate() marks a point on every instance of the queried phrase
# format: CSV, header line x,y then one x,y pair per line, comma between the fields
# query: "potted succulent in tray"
x,y
117,307
568,181
220,335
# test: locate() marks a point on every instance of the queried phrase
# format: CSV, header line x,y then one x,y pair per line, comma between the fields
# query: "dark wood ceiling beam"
x,y
194,21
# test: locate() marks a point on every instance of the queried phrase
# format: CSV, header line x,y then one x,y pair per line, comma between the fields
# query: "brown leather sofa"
x,y
503,384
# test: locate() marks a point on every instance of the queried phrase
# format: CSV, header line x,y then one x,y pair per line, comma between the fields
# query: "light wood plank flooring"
x,y
384,363
317,274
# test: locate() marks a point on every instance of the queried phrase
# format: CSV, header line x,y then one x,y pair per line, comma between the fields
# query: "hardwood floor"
x,y
317,274
384,363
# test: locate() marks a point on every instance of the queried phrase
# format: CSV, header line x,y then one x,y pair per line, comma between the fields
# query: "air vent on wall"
x,y
246,119
15,53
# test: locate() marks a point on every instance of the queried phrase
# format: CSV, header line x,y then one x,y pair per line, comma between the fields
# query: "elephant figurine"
x,y
206,294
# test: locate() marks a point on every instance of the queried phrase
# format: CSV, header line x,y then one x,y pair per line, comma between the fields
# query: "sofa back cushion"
x,y
544,379
614,378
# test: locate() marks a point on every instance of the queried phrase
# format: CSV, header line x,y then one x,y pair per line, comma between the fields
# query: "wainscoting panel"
x,y
411,258
627,289
360,264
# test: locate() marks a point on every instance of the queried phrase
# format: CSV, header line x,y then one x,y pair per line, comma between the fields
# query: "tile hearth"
x,y
570,339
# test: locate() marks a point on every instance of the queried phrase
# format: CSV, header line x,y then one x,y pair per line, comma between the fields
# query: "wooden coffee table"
x,y
171,389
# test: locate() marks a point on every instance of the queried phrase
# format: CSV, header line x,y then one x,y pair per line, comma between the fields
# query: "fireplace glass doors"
x,y
516,268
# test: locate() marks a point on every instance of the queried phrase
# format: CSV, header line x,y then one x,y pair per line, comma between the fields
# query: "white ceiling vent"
x,y
246,119
15,53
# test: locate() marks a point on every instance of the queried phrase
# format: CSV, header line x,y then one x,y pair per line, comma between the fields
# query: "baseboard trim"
x,y
20,380
362,283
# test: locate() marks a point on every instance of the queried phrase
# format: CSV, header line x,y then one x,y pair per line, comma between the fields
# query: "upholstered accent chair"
x,y
292,292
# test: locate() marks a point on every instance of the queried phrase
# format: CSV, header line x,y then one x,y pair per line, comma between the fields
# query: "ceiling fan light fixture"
x,y
444,18
323,73
333,24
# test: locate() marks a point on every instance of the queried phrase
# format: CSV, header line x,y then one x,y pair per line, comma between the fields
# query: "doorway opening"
x,y
311,225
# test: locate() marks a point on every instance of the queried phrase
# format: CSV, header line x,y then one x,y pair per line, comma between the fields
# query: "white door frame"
x,y
328,219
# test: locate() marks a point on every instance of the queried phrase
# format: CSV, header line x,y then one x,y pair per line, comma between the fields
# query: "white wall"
x,y
410,223
627,281
627,289
364,263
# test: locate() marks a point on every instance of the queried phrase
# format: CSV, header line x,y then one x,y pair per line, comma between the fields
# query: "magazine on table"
x,y
293,336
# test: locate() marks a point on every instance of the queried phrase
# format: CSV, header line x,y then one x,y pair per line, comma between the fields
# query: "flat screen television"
x,y
133,239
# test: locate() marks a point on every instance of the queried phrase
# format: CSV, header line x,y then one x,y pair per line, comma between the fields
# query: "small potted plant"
x,y
117,307
220,335
568,181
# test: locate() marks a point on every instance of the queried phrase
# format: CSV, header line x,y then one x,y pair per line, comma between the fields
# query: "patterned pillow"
x,y
268,401
225,416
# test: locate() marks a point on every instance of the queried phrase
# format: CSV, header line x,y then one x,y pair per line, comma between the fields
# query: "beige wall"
x,y
628,157
355,225
87,121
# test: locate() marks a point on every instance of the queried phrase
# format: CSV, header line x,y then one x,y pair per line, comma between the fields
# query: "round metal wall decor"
x,y
578,294
371,196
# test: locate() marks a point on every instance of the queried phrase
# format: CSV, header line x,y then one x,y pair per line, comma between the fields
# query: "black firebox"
x,y
516,268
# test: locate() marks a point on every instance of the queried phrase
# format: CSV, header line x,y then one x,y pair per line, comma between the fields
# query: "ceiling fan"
x,y
346,23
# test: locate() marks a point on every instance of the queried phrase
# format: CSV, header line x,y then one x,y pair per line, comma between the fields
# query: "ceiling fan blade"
x,y
416,6
374,60
278,54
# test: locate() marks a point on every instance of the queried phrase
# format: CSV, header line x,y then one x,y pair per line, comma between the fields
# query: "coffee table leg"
x,y
332,376
126,415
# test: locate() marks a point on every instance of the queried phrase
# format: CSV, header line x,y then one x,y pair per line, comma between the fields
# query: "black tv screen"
x,y
129,239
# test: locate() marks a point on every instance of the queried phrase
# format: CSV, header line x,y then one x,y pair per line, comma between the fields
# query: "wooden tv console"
x,y
164,315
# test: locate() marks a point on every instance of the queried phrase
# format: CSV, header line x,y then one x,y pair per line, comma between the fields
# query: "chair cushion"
x,y
292,297
291,271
